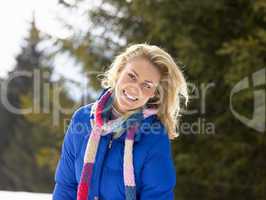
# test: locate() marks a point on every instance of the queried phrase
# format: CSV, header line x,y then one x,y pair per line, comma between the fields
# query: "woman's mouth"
x,y
129,97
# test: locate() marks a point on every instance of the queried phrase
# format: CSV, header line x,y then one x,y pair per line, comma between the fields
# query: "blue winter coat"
x,y
153,165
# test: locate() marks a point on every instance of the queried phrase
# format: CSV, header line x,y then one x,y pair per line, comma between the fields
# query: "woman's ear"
x,y
156,93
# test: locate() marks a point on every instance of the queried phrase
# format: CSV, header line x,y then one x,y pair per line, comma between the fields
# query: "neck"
x,y
115,112
116,107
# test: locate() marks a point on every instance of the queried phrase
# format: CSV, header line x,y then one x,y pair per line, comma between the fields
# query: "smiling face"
x,y
136,84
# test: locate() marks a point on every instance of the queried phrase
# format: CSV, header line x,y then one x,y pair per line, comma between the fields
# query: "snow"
x,y
9,195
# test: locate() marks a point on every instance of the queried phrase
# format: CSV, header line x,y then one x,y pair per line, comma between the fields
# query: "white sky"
x,y
15,18
14,22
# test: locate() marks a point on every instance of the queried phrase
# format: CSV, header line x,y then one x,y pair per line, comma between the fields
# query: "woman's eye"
x,y
132,76
147,85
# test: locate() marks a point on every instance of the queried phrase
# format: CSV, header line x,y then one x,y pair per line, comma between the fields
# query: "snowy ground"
x,y
7,195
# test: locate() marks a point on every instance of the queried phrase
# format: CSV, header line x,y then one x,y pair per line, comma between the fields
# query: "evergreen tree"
x,y
220,43
31,141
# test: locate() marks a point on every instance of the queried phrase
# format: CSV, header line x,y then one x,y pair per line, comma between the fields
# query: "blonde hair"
x,y
172,82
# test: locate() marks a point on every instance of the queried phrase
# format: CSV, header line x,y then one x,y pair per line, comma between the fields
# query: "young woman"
x,y
118,148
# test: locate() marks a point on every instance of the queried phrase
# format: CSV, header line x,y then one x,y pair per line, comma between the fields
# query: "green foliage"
x,y
219,42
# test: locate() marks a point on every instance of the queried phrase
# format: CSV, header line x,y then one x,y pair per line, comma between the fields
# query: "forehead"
x,y
145,69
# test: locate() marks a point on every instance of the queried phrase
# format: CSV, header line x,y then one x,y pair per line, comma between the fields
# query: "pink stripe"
x,y
129,176
96,133
149,111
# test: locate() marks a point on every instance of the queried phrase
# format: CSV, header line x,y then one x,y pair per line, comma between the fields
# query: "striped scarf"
x,y
103,126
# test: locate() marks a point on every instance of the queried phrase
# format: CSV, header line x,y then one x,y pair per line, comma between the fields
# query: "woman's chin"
x,y
125,107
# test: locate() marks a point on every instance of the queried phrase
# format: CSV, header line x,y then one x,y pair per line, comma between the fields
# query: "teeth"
x,y
130,97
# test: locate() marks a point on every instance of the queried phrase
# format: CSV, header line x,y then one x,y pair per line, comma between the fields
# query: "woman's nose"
x,y
134,89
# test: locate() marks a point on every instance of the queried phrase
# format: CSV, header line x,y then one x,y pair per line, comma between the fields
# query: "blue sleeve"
x,y
65,180
158,174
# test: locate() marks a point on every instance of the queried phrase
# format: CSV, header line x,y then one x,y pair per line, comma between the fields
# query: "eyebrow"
x,y
138,76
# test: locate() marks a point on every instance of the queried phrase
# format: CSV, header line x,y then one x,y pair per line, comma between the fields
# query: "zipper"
x,y
110,143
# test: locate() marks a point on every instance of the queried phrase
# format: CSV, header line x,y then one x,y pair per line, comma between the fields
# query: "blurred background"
x,y
52,51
